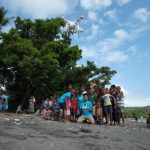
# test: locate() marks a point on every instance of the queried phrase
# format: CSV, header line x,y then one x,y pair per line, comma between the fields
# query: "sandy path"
x,y
28,132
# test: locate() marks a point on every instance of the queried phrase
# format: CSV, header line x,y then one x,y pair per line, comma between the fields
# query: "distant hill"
x,y
131,112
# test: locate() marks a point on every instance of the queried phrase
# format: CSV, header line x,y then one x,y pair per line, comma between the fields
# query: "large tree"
x,y
3,19
37,59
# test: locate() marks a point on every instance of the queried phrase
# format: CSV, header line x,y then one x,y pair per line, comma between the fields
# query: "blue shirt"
x,y
84,105
56,106
5,97
63,97
80,99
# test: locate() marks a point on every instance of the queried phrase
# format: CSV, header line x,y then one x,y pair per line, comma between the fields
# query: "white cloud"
x,y
88,52
112,14
92,15
95,4
133,100
132,50
123,2
121,34
95,29
110,44
142,14
125,91
38,8
115,56
106,50
138,31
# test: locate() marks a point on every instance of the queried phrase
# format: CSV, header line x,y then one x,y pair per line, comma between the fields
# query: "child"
x,y
31,104
99,113
94,110
148,121
56,109
50,102
47,113
68,106
73,108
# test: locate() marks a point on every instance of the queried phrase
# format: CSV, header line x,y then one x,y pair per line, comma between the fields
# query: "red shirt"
x,y
74,104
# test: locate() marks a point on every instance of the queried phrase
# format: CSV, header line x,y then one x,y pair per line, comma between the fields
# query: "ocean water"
x,y
140,120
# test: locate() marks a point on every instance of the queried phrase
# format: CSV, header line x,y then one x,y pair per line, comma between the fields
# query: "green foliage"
x,y
37,59
3,19
131,112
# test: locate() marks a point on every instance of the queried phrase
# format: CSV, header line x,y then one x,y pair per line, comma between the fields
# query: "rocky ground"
x,y
30,132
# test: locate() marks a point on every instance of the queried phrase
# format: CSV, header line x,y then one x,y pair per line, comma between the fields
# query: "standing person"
x,y
61,101
4,102
93,84
74,106
79,100
120,105
99,110
68,106
92,95
113,92
107,107
31,104
148,121
56,109
1,99
86,111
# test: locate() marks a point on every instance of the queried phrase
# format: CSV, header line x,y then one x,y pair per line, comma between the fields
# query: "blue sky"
x,y
116,34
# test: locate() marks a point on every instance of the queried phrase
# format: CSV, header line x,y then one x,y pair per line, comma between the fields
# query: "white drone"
x,y
73,26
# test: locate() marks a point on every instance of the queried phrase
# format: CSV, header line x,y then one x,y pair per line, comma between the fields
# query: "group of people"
x,y
96,105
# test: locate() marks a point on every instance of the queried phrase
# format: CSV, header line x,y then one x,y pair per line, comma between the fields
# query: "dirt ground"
x,y
30,132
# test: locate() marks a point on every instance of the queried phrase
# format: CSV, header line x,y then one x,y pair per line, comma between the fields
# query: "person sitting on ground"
x,y
86,111
47,113
55,109
148,121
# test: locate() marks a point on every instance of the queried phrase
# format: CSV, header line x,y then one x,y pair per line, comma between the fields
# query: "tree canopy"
x,y
3,19
38,59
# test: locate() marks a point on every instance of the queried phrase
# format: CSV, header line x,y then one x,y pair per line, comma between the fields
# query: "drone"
x,y
72,26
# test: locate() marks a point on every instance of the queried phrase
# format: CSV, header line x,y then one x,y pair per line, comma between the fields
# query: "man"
x,y
86,111
120,105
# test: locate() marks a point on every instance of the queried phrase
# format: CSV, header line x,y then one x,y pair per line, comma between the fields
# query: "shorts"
x,y
62,106
68,112
108,109
73,112
120,109
84,118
